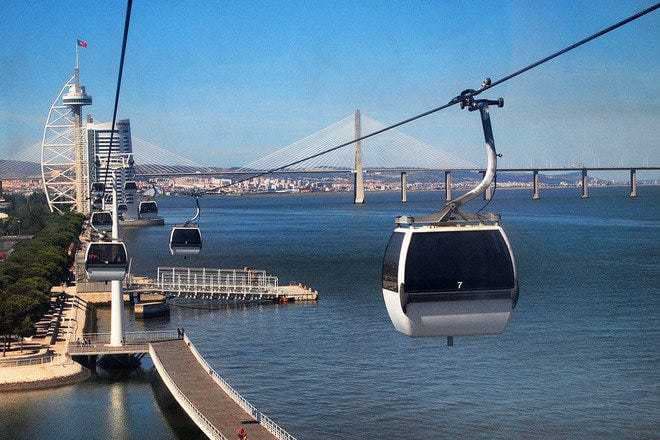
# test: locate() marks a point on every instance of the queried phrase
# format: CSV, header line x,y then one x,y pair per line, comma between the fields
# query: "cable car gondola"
x,y
452,273
130,185
148,209
96,194
97,202
98,188
106,261
186,239
101,221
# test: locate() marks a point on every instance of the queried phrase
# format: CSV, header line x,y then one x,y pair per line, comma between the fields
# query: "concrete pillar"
x,y
358,177
536,194
358,188
404,187
585,185
633,183
447,186
488,194
116,315
116,295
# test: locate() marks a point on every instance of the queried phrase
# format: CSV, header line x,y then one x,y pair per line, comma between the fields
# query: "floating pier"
x,y
151,309
230,285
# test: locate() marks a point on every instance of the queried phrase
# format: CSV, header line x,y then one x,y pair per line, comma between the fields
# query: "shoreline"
x,y
411,190
60,370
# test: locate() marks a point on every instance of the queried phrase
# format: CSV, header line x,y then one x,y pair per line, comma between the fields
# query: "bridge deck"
x,y
202,392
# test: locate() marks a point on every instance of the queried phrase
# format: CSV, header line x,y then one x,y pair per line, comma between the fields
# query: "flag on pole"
x,y
82,43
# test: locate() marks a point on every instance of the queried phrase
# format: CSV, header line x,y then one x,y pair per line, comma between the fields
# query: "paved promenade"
x,y
50,367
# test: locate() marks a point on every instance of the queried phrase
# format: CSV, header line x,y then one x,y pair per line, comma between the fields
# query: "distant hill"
x,y
18,169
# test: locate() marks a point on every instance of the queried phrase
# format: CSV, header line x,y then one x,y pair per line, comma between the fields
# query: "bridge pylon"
x,y
358,173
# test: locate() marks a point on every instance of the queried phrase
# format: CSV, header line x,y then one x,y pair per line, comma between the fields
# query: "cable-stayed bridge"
x,y
391,151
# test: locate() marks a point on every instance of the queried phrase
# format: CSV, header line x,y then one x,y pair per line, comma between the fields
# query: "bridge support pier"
x,y
536,194
585,185
358,177
404,187
488,194
358,188
633,183
447,186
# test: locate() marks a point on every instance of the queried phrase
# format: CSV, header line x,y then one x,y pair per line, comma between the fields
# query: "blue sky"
x,y
227,82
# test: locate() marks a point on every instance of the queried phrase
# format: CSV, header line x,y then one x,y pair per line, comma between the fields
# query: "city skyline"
x,y
234,100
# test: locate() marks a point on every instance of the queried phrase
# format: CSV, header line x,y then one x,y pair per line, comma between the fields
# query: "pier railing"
x,y
56,359
204,423
217,281
272,427
130,338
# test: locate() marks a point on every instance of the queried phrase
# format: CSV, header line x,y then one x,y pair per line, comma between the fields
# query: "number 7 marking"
x,y
460,283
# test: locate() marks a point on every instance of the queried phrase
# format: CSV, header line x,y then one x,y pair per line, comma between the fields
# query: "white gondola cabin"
x,y
101,221
106,261
449,280
148,209
185,240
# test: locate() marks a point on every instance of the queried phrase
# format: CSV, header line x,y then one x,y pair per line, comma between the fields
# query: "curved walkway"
x,y
199,392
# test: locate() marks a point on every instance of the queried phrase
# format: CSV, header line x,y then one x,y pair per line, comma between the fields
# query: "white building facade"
x,y
98,144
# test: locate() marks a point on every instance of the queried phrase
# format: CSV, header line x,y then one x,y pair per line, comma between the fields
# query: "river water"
x,y
581,357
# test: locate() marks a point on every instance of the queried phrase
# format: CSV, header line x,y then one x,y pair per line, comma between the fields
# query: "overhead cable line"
x,y
127,22
460,98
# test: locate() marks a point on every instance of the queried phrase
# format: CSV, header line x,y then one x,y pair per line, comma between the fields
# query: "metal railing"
x,y
36,360
130,338
265,421
203,280
56,359
208,428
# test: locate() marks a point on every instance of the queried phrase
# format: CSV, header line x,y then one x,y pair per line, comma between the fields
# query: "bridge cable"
x,y
127,22
457,99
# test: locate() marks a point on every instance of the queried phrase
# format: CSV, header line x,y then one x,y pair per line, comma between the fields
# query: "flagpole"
x,y
77,65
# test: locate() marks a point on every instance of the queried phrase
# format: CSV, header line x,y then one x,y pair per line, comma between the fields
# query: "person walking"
x,y
242,434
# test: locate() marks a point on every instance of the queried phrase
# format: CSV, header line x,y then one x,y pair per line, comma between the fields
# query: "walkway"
x,y
213,405
134,343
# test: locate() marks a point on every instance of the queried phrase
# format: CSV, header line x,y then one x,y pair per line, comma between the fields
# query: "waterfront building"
x,y
98,144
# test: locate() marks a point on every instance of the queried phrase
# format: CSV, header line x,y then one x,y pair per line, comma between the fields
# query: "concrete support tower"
x,y
75,98
116,295
448,186
585,184
404,187
536,194
358,175
633,183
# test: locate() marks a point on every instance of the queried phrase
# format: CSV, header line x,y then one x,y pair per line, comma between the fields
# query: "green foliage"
x,y
34,267
27,215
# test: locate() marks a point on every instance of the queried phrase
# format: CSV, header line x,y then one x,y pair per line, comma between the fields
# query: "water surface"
x,y
580,358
